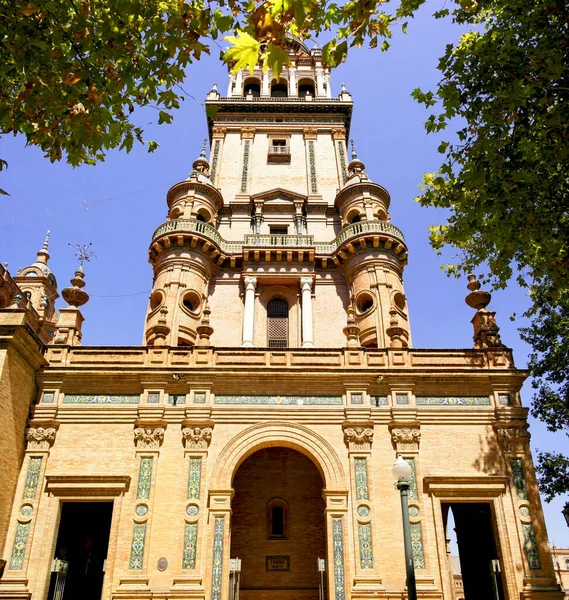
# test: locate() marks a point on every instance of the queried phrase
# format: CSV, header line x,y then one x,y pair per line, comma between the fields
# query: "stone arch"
x,y
287,435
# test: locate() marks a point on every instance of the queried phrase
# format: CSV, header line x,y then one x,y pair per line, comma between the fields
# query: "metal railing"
x,y
276,99
278,241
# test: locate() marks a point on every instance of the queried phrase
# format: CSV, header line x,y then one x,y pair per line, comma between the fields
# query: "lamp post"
x,y
565,513
402,473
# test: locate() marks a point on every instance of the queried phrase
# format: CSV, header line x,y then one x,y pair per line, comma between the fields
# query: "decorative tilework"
x,y
530,545
244,173
194,478
363,511
401,399
176,399
214,161
312,161
141,510
360,468
278,400
357,399
20,543
137,546
144,479
192,510
379,401
366,551
505,399
519,478
101,399
26,510
342,156
338,121
153,397
32,477
48,397
217,559
453,400
338,547
190,544
417,545
199,397
414,511
524,512
413,495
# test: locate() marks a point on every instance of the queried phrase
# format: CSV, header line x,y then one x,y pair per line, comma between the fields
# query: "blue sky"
x,y
118,204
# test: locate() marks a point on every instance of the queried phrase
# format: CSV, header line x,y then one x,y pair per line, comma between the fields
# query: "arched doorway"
x,y
278,525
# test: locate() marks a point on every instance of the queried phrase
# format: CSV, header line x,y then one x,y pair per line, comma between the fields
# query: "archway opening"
x,y
278,526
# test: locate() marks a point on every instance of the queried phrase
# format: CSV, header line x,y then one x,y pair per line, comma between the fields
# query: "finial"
x,y
484,321
352,329
46,242
83,253
343,88
76,296
353,146
214,88
202,153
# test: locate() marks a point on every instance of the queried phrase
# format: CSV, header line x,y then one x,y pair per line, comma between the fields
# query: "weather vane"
x,y
354,155
83,253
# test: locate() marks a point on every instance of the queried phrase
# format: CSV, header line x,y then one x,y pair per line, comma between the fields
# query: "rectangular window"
x,y
278,229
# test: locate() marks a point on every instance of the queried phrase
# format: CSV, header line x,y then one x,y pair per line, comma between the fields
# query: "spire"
x,y
200,166
356,168
43,254
484,321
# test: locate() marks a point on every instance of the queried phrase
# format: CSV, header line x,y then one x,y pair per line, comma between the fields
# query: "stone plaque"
x,y
277,563
162,563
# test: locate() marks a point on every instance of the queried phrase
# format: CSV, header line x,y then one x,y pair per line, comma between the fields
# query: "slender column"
x,y
265,84
230,86
249,316
292,91
239,84
306,287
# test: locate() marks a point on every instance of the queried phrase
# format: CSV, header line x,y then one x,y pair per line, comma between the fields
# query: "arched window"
x,y
306,88
252,87
355,219
277,519
277,323
279,90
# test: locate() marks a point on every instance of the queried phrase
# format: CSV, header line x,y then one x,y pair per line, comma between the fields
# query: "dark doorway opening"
x,y
82,542
480,565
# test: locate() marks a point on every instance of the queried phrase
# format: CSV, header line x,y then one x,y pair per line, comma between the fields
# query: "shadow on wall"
x,y
490,460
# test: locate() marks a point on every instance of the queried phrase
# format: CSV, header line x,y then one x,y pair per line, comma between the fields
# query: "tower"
x,y
278,226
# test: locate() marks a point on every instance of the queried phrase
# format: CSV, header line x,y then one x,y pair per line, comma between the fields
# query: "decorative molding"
x,y
358,437
40,438
338,133
310,133
245,170
197,437
148,438
312,162
248,133
218,131
406,438
512,439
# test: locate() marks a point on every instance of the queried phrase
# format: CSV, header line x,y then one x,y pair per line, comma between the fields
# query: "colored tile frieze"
x,y
144,479
417,546
32,477
279,400
530,545
366,551
362,488
452,400
190,546
217,559
137,546
101,399
19,549
379,401
519,478
194,478
413,495
338,548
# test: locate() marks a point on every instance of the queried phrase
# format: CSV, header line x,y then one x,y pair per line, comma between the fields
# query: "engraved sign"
x,y
277,563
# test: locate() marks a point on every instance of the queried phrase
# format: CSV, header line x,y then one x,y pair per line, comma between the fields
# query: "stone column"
x,y
306,288
265,84
239,84
292,91
230,86
249,315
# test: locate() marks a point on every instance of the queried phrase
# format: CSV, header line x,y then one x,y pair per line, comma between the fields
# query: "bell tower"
x,y
278,239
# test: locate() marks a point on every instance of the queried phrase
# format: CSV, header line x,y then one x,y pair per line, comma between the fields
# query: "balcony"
x,y
279,247
278,154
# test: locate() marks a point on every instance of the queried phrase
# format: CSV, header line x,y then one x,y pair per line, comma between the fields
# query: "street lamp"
x,y
402,473
565,513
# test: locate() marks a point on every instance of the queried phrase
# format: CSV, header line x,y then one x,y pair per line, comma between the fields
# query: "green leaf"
x,y
164,117
274,59
4,192
244,53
